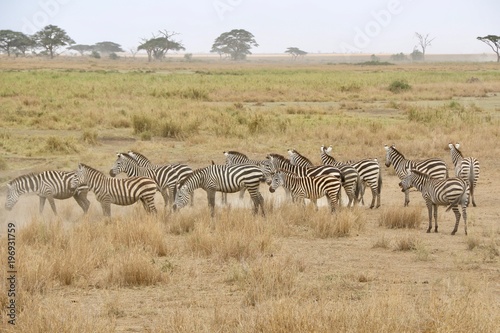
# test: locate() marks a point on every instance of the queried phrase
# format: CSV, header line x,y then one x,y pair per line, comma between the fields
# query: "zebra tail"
x,y
471,181
379,183
357,191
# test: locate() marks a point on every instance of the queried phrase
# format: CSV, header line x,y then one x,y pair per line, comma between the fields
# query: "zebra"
x,y
123,192
235,158
311,188
179,171
222,178
368,172
434,167
449,192
166,176
352,181
466,168
48,185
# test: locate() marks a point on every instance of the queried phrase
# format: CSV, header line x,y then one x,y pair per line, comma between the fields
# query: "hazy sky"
x,y
367,26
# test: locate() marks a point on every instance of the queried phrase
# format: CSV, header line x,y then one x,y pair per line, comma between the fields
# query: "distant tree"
x,y
51,38
81,48
158,46
107,47
133,51
12,41
399,57
295,52
493,42
416,55
237,43
423,42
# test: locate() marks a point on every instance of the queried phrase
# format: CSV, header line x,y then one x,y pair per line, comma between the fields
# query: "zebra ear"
x,y
386,147
450,145
457,145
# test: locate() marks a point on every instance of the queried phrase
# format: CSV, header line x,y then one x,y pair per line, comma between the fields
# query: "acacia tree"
x,y
423,42
237,43
107,47
158,46
14,40
81,48
51,38
295,52
493,42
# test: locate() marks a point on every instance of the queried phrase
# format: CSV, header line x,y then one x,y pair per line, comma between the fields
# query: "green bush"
x,y
399,86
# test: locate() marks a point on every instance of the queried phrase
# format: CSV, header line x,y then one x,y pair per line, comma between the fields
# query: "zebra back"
x,y
141,160
434,167
466,168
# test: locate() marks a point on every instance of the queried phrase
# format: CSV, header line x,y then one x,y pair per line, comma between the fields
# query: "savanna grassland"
x,y
295,270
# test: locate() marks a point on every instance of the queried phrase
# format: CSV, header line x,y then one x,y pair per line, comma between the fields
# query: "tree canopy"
x,y
158,46
81,48
51,38
492,41
423,42
107,47
236,43
14,41
295,52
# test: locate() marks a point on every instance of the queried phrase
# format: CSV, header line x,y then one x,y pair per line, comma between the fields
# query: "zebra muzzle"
x,y
271,190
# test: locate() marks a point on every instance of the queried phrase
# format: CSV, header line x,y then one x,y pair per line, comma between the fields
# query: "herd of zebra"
x,y
296,174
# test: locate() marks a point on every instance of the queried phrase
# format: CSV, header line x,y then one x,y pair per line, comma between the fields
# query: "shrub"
x,y
89,137
95,55
398,86
142,123
60,145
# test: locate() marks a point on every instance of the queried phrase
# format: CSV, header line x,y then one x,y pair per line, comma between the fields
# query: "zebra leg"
x,y
242,193
211,202
168,196
315,203
52,204
407,198
42,204
106,208
149,204
258,200
429,209
457,220
435,218
82,201
471,187
374,197
464,214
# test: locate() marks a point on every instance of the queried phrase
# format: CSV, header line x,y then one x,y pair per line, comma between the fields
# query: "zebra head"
x,y
407,181
182,196
12,196
388,151
268,169
79,178
276,181
118,167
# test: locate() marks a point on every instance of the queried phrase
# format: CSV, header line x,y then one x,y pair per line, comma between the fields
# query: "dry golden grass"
x,y
297,269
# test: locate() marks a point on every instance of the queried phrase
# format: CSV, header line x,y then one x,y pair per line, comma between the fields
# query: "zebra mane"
x,y
397,151
233,152
131,152
302,156
278,157
91,168
458,150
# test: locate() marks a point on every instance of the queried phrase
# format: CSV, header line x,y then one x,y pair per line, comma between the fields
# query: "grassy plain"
x,y
296,270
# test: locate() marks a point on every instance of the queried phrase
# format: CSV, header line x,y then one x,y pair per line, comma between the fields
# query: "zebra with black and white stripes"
x,y
351,181
48,185
222,178
306,187
166,176
368,172
434,167
123,192
466,168
236,158
449,192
